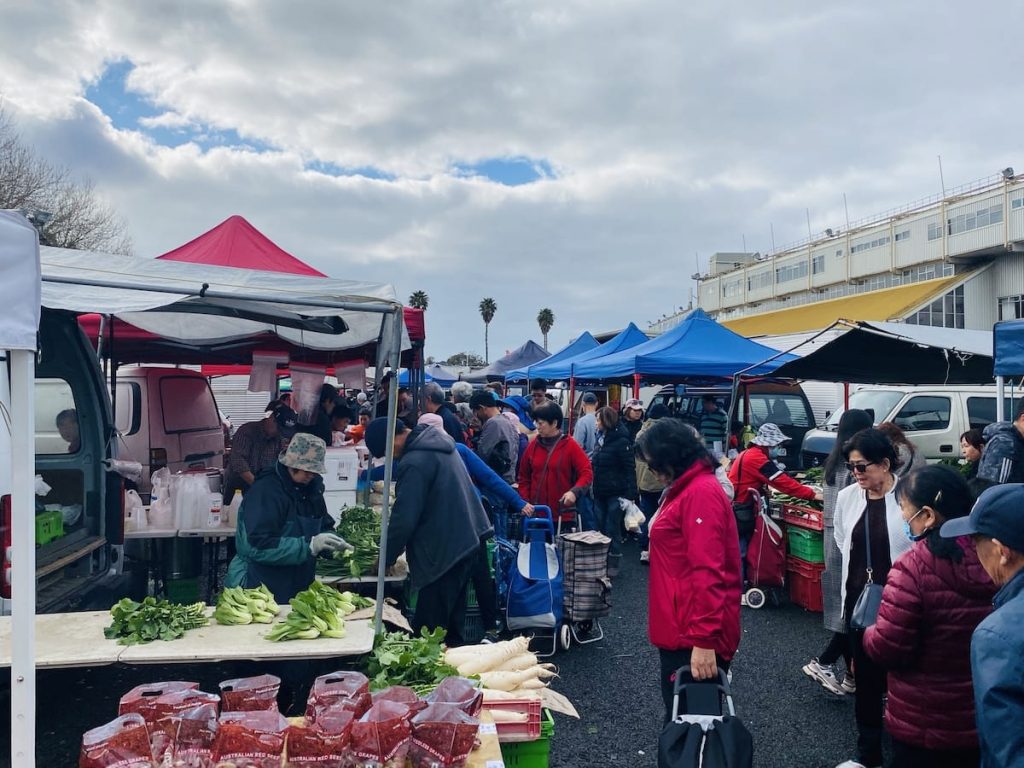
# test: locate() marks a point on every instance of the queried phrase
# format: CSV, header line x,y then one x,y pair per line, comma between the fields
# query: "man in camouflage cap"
x,y
283,524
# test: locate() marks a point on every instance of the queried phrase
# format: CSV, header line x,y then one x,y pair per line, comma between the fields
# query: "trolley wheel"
x,y
565,637
755,598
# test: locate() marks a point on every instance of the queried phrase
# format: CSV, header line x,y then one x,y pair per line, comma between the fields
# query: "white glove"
x,y
327,542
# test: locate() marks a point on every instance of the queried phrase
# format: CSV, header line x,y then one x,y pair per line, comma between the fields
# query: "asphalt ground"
x,y
613,683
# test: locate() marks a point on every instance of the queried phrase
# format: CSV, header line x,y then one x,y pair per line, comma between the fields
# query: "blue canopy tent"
x,y
561,370
697,348
584,343
1008,351
531,352
436,373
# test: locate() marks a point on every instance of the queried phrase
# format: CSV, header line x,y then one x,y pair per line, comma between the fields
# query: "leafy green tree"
x,y
487,310
545,319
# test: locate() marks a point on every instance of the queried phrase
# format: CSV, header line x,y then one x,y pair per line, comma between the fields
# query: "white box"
x,y
338,500
342,469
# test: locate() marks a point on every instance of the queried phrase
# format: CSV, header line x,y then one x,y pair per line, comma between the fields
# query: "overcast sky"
x,y
573,155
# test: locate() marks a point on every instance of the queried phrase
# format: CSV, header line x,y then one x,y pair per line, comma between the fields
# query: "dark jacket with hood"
x,y
930,607
614,466
437,518
277,519
452,425
1003,458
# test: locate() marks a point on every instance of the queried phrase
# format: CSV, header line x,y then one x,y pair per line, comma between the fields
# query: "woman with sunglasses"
x,y
695,582
867,511
936,595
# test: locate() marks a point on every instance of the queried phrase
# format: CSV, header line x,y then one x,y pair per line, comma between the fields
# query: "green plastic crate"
x,y
49,526
531,754
806,545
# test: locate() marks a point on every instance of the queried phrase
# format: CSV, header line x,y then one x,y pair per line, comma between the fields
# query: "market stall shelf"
x,y
61,642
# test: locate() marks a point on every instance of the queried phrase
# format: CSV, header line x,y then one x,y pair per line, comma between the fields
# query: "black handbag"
x,y
865,610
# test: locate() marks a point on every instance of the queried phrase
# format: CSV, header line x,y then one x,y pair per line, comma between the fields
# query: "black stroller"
x,y
704,731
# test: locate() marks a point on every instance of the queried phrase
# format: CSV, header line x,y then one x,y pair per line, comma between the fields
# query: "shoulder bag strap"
x,y
544,473
867,535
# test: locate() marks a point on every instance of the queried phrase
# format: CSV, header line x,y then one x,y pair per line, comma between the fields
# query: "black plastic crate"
x,y
473,627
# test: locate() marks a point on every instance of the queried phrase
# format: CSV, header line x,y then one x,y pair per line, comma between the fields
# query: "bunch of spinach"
x,y
415,662
360,527
153,619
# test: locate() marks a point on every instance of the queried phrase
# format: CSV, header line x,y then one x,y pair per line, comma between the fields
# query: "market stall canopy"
x,y
239,310
531,352
1008,336
896,353
436,373
583,343
627,338
19,282
696,349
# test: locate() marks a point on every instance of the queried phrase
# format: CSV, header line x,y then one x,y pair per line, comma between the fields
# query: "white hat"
x,y
769,435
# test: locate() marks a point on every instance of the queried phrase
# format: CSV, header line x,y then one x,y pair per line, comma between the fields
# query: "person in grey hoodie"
x,y
437,519
585,431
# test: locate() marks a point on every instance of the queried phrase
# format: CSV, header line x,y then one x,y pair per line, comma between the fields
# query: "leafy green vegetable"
x,y
316,612
360,527
415,662
246,606
153,619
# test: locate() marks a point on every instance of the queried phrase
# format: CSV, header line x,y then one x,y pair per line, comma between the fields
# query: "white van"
x,y
167,417
933,418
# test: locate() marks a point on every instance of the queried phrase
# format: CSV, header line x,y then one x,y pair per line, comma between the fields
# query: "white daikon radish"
x,y
533,684
491,695
506,680
522,661
504,716
487,658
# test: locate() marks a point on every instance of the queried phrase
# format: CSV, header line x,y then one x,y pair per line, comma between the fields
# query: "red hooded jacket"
x,y
695,582
545,482
754,470
929,610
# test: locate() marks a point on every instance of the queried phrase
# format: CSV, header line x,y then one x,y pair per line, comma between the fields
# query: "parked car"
x,y
168,417
781,403
80,519
932,417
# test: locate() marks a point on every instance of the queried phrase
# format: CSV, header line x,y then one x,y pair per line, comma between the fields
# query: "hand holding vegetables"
x,y
327,542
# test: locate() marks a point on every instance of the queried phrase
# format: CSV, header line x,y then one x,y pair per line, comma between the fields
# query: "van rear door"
x,y
188,414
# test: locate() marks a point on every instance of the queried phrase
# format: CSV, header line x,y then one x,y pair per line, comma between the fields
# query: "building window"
x,y
818,264
1018,203
760,280
839,253
945,312
876,243
791,272
901,236
1011,307
732,288
934,231
965,222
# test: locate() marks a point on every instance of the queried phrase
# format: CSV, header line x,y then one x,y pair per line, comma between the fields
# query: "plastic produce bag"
x,y
250,694
307,380
196,738
633,517
349,690
250,740
142,698
41,487
123,742
381,737
324,743
166,713
442,737
263,374
135,518
460,692
402,695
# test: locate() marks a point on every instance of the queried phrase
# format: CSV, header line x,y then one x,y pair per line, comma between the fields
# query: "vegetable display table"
x,y
76,640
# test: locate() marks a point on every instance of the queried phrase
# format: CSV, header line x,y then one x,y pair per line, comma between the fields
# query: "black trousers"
x,y
670,662
443,602
483,586
838,645
868,702
910,756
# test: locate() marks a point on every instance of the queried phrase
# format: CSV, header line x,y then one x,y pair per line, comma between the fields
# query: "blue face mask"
x,y
909,532
774,453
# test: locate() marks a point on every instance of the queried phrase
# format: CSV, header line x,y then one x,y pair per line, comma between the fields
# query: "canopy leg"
x,y
1000,398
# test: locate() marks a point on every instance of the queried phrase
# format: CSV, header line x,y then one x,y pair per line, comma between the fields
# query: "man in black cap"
x,y
997,647
437,519
256,446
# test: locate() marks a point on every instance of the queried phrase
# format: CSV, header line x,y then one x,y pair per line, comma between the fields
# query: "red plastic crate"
x,y
804,517
805,583
512,732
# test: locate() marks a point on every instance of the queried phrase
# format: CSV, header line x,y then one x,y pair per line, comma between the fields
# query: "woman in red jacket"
x,y
695,582
554,470
935,596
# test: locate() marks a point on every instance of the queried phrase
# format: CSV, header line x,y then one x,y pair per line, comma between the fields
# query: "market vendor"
x,y
321,425
283,524
437,518
256,446
341,418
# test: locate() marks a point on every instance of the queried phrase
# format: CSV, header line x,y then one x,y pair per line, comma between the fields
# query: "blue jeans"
x,y
585,512
610,516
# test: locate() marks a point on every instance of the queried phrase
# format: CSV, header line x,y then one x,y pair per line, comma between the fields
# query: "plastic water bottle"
x,y
215,504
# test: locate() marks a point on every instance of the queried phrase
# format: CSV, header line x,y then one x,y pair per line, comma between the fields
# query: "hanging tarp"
x,y
19,282
583,343
697,348
531,352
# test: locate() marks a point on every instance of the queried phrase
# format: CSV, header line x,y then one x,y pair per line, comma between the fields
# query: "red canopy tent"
x,y
235,243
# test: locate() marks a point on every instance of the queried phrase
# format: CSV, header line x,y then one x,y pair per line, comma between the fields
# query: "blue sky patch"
x,y
510,171
331,169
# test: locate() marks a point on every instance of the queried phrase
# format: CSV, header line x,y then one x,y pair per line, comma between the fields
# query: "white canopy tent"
x,y
195,305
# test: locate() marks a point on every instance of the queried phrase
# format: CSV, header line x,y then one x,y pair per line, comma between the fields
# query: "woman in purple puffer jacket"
x,y
935,596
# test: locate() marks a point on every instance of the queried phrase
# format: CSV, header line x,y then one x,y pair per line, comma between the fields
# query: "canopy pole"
x,y
389,460
23,560
1000,398
636,386
846,395
572,400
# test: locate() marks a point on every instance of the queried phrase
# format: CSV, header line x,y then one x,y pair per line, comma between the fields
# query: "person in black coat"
x,y
614,479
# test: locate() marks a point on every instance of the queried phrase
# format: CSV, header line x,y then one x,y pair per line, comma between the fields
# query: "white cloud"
x,y
673,129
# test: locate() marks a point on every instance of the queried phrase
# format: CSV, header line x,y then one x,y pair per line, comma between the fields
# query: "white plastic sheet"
x,y
263,375
19,282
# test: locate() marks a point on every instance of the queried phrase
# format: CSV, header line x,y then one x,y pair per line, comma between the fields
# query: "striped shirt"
x,y
714,427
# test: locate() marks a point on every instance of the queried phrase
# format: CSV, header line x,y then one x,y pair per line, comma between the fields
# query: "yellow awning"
x,y
883,304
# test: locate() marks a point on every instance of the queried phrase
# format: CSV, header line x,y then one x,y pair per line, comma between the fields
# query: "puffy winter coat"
x,y
614,467
930,607
646,480
1003,458
695,583
545,482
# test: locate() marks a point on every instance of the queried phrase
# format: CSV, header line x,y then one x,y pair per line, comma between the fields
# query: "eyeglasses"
x,y
860,468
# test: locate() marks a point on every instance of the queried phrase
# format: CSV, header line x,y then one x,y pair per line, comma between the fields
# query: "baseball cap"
x,y
287,420
376,435
633,404
590,398
998,513
769,435
306,452
483,399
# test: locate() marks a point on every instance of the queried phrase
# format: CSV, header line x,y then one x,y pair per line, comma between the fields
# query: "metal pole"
x,y
389,460
23,560
1000,398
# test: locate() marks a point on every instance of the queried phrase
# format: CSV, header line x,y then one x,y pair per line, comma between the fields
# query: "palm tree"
x,y
419,300
487,310
545,319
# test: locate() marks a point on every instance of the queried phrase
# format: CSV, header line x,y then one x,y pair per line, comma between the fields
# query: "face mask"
x,y
909,532
774,453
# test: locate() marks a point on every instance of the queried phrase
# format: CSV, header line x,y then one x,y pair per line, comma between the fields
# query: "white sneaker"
x,y
848,685
853,764
824,676
645,556
743,599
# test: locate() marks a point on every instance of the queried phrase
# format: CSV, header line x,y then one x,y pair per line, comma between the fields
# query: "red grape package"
x,y
442,737
195,738
381,737
165,713
463,693
123,742
250,694
351,690
250,740
402,695
141,698
325,743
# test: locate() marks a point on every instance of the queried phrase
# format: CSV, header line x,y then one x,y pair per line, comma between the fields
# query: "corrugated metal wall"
x,y
981,301
236,401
